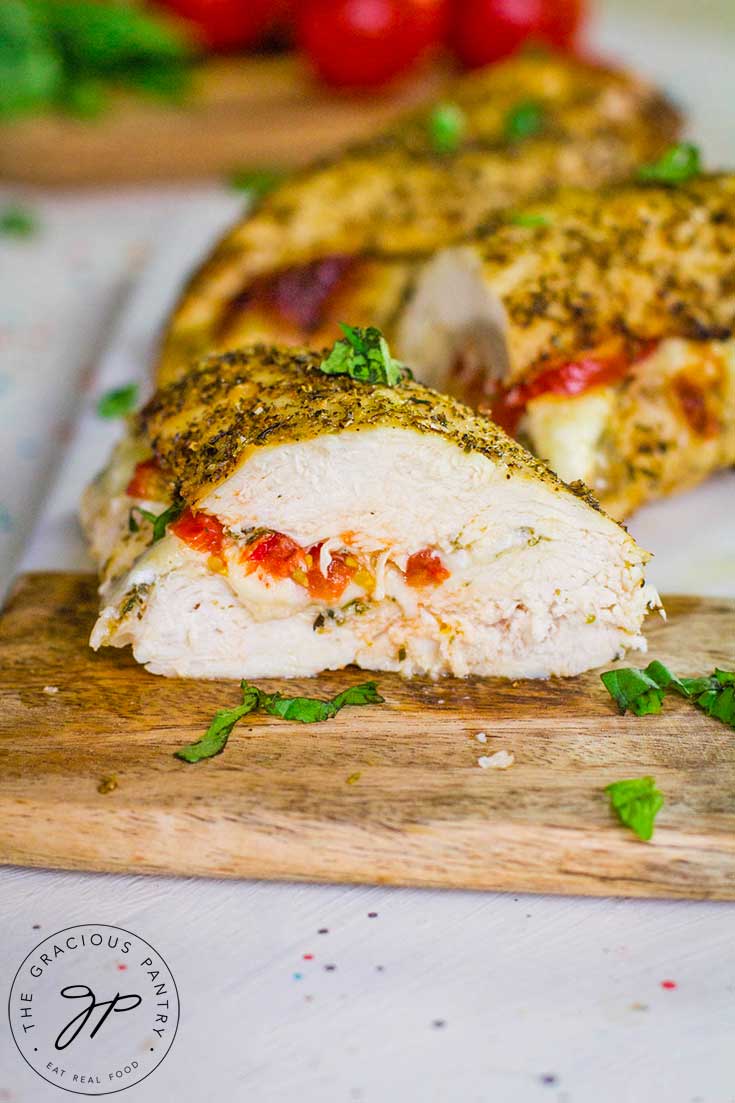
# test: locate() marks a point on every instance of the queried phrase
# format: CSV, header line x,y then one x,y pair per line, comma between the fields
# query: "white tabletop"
x,y
438,995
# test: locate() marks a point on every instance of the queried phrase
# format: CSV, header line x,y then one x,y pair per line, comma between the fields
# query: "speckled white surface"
x,y
439,996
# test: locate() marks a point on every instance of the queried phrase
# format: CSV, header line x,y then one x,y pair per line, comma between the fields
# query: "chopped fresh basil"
x,y
307,710
256,182
160,521
447,124
118,402
637,690
310,710
215,738
636,802
529,220
714,695
525,120
681,162
642,691
16,221
363,354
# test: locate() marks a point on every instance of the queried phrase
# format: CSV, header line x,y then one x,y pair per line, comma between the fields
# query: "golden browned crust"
x,y
203,426
640,260
394,196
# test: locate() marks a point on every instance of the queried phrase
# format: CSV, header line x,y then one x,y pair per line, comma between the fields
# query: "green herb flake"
x,y
256,182
118,402
530,221
310,710
160,521
214,740
363,354
447,126
636,802
306,710
525,120
681,162
19,222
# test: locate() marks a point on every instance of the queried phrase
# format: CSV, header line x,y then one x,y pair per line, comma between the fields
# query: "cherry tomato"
x,y
226,24
365,43
485,30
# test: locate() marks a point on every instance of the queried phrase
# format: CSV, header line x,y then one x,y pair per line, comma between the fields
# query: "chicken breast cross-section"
x,y
319,521
597,327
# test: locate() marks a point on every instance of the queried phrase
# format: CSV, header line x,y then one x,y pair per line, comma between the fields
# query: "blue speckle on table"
x,y
6,521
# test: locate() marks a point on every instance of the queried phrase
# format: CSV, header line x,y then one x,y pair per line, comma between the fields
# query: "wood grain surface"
x,y
285,800
243,112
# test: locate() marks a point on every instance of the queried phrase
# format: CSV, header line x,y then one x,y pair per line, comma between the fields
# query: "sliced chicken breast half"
x,y
322,521
598,328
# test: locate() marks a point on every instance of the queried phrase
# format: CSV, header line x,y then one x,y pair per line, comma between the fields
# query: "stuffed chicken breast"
x,y
600,329
265,518
343,238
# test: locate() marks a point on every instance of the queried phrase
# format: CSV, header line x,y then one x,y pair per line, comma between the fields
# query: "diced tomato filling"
x,y
281,557
300,296
425,568
592,368
147,482
276,554
331,586
200,531
693,402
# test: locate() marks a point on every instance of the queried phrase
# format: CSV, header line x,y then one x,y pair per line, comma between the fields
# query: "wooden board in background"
x,y
243,112
278,804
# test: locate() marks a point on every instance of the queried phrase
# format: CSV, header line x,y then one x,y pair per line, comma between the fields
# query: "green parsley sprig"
x,y
447,126
118,402
363,354
305,710
636,801
680,162
643,691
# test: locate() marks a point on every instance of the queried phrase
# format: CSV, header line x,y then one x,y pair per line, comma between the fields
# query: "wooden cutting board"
x,y
391,794
243,112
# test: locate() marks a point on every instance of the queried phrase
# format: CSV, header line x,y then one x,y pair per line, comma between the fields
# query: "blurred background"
x,y
135,132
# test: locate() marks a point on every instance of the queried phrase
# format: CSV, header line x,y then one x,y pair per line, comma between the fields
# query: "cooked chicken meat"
x,y
315,521
597,327
342,238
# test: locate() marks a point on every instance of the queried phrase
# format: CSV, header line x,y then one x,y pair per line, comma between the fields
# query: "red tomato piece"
x,y
276,554
200,531
483,31
425,568
365,43
147,482
226,24
607,364
331,586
